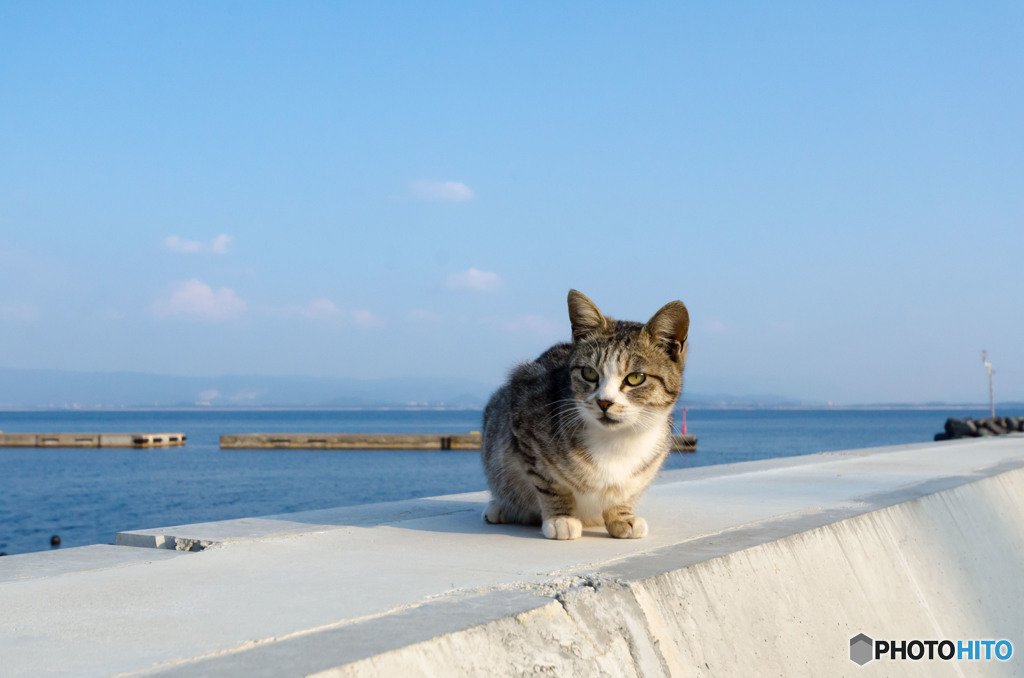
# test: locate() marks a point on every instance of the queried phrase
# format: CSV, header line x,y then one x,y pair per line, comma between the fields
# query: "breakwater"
x,y
91,439
350,441
771,567
681,442
980,428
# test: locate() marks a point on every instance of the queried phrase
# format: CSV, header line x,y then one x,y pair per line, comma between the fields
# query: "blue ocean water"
x,y
87,495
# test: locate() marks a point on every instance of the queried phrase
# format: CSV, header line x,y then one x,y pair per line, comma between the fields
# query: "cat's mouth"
x,y
606,420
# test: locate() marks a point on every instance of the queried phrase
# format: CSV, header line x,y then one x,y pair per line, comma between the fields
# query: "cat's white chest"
x,y
617,456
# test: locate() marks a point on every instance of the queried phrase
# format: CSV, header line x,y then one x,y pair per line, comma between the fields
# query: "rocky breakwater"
x,y
978,428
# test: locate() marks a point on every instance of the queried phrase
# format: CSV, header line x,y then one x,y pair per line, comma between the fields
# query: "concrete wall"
x,y
948,565
758,569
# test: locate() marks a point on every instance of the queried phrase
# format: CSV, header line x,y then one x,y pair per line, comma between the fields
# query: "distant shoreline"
x,y
1012,405
65,390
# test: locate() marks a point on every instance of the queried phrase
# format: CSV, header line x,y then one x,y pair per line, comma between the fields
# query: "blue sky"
x,y
410,189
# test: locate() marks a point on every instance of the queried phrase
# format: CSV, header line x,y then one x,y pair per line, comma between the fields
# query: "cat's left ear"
x,y
584,316
669,328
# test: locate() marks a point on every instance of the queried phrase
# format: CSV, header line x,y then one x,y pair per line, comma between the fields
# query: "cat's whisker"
x,y
563,401
566,409
569,414
570,421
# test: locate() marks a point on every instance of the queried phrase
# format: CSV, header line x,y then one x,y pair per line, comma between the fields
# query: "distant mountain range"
x,y
89,390
63,389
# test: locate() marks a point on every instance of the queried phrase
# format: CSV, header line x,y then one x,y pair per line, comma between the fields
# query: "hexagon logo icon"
x,y
861,649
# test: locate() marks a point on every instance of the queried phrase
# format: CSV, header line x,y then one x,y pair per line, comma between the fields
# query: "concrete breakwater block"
x,y
381,441
684,442
971,428
91,439
350,441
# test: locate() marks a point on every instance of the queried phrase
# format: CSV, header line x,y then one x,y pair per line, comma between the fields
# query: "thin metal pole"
x,y
991,398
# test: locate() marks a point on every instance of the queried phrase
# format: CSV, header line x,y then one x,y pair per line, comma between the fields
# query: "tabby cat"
x,y
576,436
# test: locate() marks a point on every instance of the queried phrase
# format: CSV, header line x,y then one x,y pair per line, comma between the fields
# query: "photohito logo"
x,y
863,649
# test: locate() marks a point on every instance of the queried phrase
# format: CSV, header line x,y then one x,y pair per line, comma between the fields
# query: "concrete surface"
x,y
766,568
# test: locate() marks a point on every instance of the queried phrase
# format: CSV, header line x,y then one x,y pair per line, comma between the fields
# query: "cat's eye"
x,y
636,378
589,373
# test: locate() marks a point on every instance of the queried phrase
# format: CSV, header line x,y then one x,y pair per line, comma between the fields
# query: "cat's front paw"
x,y
562,527
494,515
629,528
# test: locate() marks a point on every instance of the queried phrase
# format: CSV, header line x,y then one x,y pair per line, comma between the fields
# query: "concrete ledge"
x,y
77,560
199,536
766,568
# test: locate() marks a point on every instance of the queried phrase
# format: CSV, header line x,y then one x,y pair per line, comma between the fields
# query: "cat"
x,y
575,437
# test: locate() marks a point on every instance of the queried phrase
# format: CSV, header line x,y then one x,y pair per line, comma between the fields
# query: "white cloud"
x,y
218,245
175,244
367,320
714,326
474,279
319,309
442,191
322,310
197,299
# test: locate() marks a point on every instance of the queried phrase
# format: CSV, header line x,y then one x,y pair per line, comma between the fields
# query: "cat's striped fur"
x,y
576,436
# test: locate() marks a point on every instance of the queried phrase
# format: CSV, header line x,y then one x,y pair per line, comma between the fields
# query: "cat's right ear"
x,y
669,327
584,316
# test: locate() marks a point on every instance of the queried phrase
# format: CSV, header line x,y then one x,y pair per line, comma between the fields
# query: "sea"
x,y
85,496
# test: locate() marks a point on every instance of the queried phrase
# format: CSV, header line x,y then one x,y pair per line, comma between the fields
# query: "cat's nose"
x,y
604,405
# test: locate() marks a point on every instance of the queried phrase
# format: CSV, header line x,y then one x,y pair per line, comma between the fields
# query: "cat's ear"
x,y
584,316
669,328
